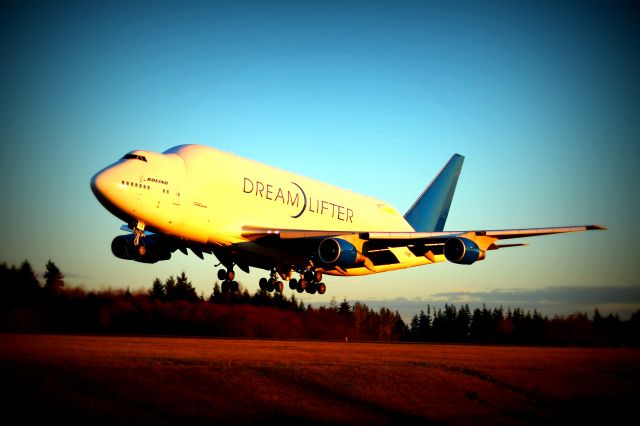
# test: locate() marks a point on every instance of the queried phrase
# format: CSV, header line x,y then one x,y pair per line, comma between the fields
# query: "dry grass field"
x,y
158,380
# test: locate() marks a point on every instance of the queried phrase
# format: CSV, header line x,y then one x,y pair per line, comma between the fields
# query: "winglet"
x,y
429,212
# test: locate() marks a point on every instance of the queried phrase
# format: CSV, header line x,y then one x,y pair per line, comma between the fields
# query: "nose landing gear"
x,y
136,248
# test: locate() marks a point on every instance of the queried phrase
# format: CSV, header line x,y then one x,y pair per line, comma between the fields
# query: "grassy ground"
x,y
156,380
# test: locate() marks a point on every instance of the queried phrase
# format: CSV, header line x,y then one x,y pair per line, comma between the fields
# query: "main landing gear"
x,y
271,284
310,281
227,277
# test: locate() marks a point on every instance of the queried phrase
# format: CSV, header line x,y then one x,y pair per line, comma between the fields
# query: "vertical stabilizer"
x,y
429,212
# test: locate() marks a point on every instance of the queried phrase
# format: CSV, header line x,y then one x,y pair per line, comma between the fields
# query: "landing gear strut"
x,y
136,248
227,277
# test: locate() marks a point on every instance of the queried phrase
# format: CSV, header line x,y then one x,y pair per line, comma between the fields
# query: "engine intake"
x,y
462,250
338,251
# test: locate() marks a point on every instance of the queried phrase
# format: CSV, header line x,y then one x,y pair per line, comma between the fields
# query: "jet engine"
x,y
148,250
462,250
340,252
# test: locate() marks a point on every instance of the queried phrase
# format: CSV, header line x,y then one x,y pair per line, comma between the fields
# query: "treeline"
x,y
514,326
173,307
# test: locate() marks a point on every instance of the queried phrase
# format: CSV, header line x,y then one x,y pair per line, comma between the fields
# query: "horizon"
x,y
567,301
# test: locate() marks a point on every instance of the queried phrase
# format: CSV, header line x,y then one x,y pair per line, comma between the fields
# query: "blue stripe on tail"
x,y
429,212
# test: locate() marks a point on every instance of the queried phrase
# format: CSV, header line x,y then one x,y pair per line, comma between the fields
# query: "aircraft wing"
x,y
254,232
499,234
386,248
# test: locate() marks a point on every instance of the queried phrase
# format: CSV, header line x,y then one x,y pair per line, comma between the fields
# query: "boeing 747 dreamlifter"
x,y
249,214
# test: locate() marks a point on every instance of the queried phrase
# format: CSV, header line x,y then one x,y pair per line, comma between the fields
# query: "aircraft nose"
x,y
102,184
97,184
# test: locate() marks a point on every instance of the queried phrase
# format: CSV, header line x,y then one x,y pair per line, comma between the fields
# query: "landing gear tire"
x,y
228,282
313,278
293,284
311,288
273,283
263,283
231,286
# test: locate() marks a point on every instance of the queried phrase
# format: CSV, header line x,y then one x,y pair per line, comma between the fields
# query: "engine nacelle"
x,y
340,252
462,250
149,249
119,246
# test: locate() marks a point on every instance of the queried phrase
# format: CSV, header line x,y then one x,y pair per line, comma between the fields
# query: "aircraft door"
x,y
176,204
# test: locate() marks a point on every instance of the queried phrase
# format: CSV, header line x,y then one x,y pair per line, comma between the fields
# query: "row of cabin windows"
x,y
140,185
135,185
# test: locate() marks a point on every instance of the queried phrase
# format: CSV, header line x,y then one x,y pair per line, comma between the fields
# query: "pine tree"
x,y
170,288
294,302
157,291
28,285
344,308
463,322
184,290
53,278
216,294
424,324
414,327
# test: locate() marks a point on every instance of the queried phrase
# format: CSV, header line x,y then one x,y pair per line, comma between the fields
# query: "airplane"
x,y
249,214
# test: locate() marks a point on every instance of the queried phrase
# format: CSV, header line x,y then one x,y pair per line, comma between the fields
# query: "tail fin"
x,y
430,211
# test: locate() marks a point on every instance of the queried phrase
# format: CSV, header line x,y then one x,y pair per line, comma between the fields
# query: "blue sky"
x,y
543,99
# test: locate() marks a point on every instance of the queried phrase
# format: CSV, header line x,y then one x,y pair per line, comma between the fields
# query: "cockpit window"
x,y
134,157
